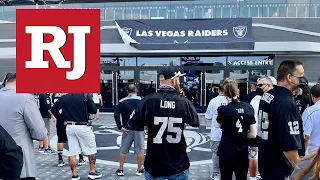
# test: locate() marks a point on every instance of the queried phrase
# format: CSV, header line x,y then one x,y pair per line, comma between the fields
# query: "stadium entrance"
x,y
203,74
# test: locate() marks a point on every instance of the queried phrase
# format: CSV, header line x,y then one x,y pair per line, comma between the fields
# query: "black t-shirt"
x,y
247,98
165,113
74,107
278,131
45,105
235,120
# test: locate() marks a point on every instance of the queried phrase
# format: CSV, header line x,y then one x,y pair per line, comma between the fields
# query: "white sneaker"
x,y
215,176
75,177
95,175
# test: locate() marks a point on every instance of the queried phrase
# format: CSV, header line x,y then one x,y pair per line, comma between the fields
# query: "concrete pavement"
x,y
108,136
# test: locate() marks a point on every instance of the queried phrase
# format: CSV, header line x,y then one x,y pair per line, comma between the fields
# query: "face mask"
x,y
303,82
259,91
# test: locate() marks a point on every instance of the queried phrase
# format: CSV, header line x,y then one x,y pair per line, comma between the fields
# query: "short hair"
x,y
315,91
11,78
287,67
265,79
131,88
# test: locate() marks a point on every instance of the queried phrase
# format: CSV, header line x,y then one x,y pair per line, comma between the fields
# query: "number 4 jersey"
x,y
278,131
235,120
165,113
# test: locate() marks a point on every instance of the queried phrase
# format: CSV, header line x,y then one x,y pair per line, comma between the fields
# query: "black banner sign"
x,y
170,34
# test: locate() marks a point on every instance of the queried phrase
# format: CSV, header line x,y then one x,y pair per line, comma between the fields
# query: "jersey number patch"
x,y
238,125
167,122
263,125
294,127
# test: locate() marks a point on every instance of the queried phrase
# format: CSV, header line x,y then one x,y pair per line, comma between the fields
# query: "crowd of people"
x,y
264,134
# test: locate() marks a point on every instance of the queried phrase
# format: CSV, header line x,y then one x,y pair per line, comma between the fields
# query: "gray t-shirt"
x,y
301,165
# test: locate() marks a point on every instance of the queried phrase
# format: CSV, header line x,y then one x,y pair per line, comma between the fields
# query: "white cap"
x,y
273,80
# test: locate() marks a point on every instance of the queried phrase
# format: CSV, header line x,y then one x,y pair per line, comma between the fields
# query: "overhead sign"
x,y
168,34
268,62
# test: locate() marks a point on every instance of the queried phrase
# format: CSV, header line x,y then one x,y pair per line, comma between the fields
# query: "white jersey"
x,y
255,104
212,113
96,98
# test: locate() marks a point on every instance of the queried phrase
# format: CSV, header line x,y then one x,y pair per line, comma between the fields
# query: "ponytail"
x,y
315,163
231,90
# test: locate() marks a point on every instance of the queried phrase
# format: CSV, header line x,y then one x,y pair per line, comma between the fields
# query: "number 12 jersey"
x,y
278,131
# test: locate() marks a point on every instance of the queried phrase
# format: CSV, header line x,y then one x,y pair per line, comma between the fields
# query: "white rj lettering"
x,y
38,46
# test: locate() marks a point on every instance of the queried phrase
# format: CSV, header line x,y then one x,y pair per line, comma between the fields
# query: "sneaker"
x,y
119,172
139,172
95,175
41,149
215,176
75,177
51,151
81,162
61,163
258,176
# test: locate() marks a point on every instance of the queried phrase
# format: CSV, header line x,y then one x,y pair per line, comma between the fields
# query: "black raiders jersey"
x,y
278,131
165,113
235,120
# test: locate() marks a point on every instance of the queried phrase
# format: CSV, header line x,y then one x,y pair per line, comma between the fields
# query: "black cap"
x,y
169,72
6,78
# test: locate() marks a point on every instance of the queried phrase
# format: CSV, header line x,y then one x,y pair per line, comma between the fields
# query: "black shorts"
x,y
98,106
61,133
253,142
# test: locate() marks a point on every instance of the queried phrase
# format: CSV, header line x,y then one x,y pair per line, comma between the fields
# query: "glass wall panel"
x,y
175,61
182,9
255,8
292,10
123,78
276,8
190,9
118,61
212,81
97,5
148,82
204,61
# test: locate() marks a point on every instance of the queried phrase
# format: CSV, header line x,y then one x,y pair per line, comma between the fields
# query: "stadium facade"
x,y
207,40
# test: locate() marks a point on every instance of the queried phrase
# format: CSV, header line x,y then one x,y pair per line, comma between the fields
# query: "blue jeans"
x,y
180,176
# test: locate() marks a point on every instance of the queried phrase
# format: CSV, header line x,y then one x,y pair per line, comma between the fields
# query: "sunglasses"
x,y
260,85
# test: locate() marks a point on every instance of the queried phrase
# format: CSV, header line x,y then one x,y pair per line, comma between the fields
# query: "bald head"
x,y
132,89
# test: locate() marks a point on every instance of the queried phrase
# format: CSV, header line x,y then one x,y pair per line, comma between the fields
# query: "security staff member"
x,y
76,109
278,132
165,113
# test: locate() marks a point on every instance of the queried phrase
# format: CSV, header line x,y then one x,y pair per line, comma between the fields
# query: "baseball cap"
x,y
6,78
273,80
169,72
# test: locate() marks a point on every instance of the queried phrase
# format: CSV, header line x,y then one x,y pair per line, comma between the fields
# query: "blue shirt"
x,y
311,126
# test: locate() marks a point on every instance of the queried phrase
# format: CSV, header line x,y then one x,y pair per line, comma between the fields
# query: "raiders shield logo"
x,y
127,30
240,31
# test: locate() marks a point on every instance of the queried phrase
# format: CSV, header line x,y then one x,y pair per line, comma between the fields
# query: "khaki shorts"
x,y
136,137
81,139
47,124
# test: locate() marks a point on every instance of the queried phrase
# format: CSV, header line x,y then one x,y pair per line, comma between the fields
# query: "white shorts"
x,y
253,153
81,139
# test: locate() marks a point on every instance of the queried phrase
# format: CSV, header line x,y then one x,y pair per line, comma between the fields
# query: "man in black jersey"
x,y
165,113
278,127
